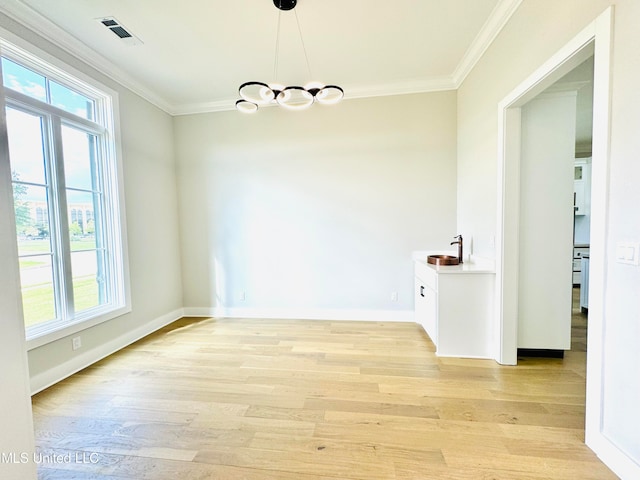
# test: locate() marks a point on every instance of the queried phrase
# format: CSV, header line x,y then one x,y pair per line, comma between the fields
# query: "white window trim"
x,y
24,52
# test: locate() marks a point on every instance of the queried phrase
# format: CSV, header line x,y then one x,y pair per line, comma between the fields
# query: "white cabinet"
x,y
578,252
454,305
584,284
582,186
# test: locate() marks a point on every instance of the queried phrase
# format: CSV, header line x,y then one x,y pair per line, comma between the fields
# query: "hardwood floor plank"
x,y
371,407
559,469
407,458
541,433
547,449
279,413
315,382
129,440
355,463
427,435
184,406
139,468
403,371
297,364
256,424
45,473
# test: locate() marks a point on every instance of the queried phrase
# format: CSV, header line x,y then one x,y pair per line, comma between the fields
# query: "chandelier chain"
x,y
275,60
304,49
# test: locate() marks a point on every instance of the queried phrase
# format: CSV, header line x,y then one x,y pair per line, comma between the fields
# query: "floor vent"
x,y
120,31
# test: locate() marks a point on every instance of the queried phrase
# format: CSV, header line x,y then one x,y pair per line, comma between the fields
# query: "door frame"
x,y
596,38
509,153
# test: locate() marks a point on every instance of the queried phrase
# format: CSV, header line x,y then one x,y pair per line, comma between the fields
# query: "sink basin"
x,y
442,260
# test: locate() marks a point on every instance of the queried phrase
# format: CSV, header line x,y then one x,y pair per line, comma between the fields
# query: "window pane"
x,y
79,150
26,146
73,102
82,218
32,219
21,79
36,277
88,280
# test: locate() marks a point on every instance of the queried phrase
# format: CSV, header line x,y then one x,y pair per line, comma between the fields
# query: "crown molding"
x,y
402,87
25,15
205,107
45,28
499,17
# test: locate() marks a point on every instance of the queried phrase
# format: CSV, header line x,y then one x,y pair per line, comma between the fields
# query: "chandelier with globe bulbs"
x,y
255,94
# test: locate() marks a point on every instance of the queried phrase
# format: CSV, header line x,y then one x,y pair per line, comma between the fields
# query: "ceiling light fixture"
x,y
294,97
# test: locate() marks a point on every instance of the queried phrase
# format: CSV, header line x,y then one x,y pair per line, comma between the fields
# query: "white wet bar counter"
x,y
454,304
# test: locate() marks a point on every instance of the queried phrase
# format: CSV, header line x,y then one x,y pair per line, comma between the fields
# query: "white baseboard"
x,y
303,314
60,372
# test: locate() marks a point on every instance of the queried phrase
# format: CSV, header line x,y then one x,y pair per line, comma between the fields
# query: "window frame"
x,y
106,124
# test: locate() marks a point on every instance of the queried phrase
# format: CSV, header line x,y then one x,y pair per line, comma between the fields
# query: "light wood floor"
x,y
313,400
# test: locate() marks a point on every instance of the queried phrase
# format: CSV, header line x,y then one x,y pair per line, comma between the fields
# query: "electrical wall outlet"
x,y
76,343
242,296
394,296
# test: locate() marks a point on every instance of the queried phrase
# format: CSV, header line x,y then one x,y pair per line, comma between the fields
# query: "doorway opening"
x,y
554,216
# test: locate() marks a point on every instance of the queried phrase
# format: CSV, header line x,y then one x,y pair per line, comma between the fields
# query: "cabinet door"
x,y
420,303
431,314
582,186
426,309
579,197
584,287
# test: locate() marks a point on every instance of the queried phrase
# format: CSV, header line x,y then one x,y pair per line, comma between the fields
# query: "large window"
x,y
65,190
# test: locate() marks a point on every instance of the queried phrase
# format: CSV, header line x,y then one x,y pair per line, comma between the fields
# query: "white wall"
x,y
546,205
152,226
536,31
621,379
315,213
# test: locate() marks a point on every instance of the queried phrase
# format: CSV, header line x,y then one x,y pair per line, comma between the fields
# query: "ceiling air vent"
x,y
120,31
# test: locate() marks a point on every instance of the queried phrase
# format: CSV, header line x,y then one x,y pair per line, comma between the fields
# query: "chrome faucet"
x,y
459,242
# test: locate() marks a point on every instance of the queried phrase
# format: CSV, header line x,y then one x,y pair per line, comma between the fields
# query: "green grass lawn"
x,y
38,303
33,246
38,300
26,247
30,262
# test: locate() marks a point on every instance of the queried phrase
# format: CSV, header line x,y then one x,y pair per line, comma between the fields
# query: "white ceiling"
x,y
195,53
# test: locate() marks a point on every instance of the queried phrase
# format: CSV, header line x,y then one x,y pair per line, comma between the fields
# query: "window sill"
x,y
43,338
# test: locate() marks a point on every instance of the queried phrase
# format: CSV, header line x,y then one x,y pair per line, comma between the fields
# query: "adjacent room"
x,y
319,240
